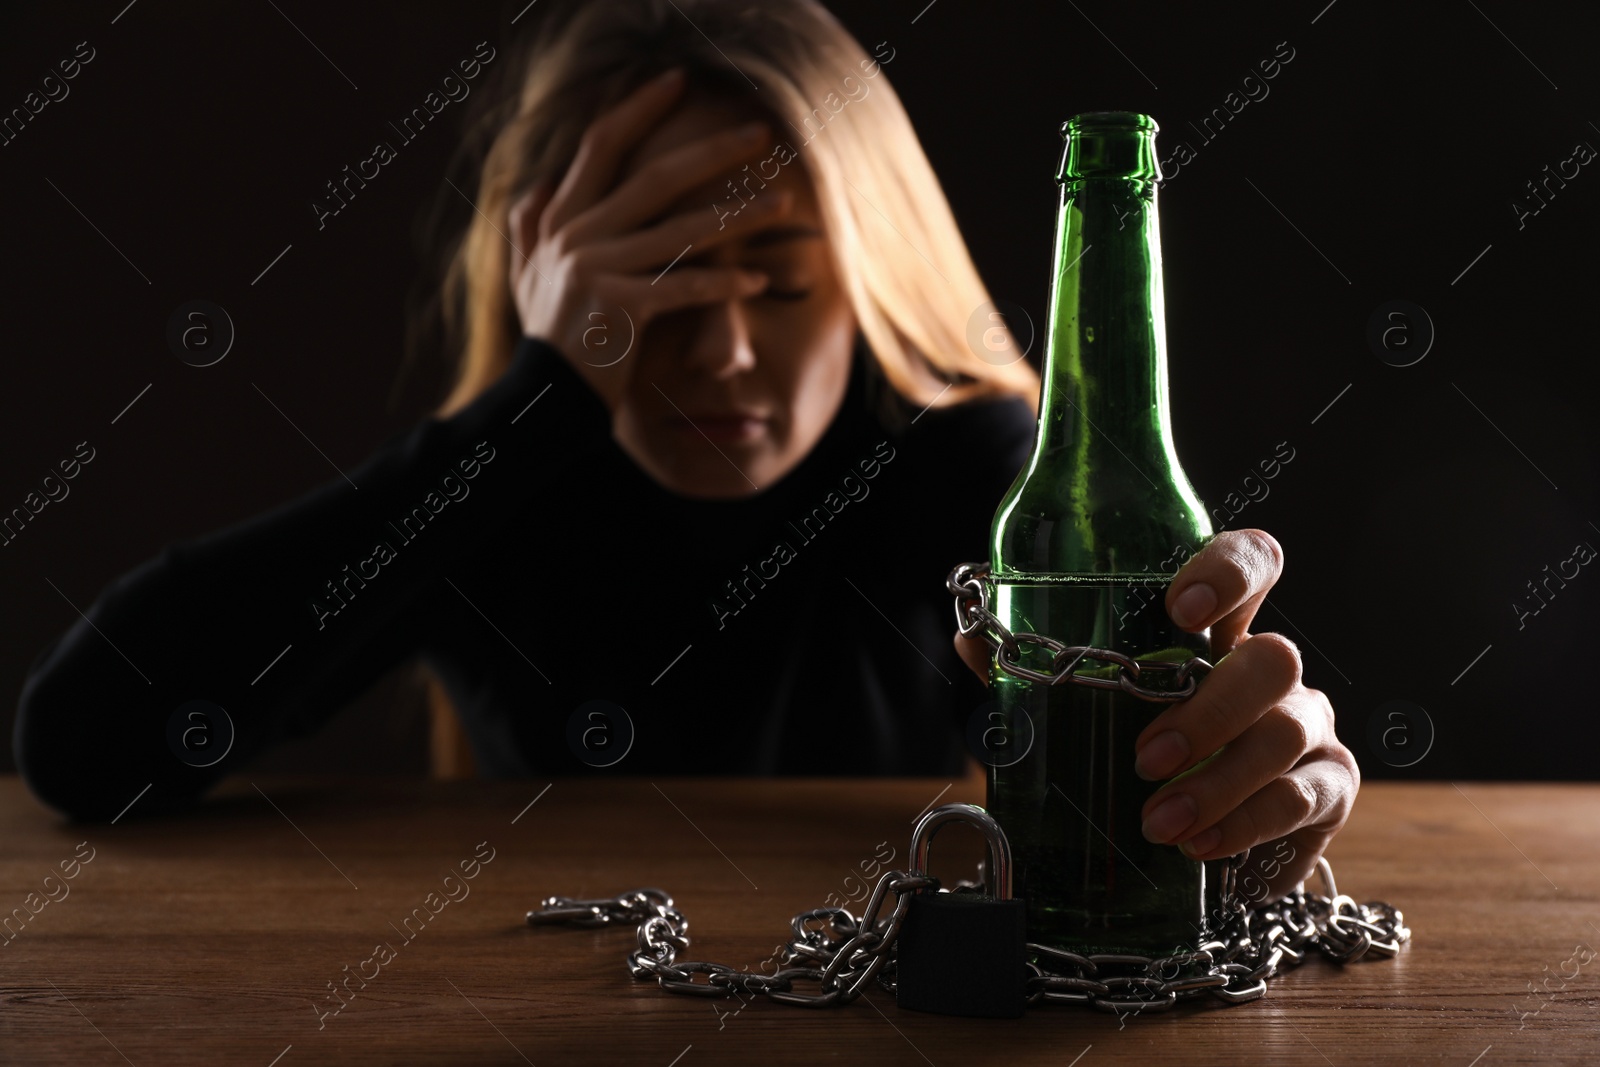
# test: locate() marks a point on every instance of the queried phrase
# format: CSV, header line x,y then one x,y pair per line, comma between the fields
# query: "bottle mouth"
x,y
1109,144
1091,120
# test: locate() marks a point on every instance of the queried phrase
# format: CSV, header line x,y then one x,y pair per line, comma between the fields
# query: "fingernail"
x,y
670,77
751,131
1194,604
1201,843
1172,817
1162,756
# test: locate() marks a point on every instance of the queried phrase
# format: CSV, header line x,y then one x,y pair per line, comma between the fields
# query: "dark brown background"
x,y
1395,141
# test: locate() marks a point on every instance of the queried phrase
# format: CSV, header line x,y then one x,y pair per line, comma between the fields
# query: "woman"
x,y
716,439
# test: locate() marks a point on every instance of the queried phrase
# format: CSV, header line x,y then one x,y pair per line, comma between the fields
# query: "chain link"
x,y
841,953
974,619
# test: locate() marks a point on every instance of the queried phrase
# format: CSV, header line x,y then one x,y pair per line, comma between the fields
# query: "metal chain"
x,y
976,620
842,953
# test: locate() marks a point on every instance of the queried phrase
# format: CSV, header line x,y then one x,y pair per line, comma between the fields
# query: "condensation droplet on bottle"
x,y
1088,333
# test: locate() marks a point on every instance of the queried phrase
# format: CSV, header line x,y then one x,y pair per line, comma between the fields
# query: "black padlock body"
x,y
962,954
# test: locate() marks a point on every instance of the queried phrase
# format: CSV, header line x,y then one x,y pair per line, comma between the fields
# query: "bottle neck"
x,y
1104,395
1103,493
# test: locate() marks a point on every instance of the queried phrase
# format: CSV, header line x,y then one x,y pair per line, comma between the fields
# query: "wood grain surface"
x,y
213,938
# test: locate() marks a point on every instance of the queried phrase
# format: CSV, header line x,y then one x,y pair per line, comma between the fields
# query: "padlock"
x,y
961,953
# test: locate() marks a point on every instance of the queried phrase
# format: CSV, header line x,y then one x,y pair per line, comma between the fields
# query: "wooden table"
x,y
214,938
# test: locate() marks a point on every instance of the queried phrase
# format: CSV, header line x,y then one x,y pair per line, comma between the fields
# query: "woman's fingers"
x,y
633,261
1287,774
604,145
1256,762
1223,584
648,250
1315,796
1247,682
681,287
645,194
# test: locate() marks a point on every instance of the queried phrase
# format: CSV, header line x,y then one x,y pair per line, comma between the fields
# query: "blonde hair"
x,y
899,254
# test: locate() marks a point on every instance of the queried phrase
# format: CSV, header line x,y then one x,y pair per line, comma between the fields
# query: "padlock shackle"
x,y
999,875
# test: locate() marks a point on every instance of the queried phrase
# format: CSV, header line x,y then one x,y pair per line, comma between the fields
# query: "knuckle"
x,y
1324,710
1298,734
573,261
1278,654
1300,799
1344,771
579,260
1220,716
1267,553
1253,559
597,139
1284,807
1227,783
660,172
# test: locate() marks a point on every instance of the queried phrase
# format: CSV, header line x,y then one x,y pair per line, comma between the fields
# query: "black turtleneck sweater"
x,y
802,630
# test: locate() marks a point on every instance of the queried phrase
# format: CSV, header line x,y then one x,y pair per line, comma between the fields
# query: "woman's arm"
x,y
284,618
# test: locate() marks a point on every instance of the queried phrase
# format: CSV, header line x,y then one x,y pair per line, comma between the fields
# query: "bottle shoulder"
x,y
1109,523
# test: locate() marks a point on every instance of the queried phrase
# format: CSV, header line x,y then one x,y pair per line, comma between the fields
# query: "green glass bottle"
x,y
1084,545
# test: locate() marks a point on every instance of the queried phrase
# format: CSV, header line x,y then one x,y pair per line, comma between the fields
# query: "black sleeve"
x,y
971,453
284,618
967,457
984,447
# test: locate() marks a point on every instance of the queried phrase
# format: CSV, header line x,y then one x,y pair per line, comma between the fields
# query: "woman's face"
x,y
729,397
